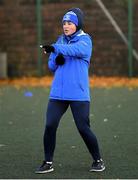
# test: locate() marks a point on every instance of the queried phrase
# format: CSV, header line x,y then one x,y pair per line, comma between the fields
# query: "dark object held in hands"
x,y
48,49
60,60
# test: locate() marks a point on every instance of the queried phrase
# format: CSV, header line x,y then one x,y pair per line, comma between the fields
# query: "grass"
x,y
114,119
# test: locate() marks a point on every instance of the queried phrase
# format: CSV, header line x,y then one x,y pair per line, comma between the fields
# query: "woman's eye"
x,y
69,23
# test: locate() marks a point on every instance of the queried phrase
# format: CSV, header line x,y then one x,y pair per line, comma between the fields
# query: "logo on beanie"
x,y
67,17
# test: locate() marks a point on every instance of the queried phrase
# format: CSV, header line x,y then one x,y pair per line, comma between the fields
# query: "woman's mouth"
x,y
66,31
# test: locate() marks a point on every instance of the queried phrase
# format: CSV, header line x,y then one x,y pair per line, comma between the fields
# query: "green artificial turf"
x,y
114,119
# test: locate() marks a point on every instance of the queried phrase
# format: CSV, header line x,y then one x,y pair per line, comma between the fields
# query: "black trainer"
x,y
98,166
45,168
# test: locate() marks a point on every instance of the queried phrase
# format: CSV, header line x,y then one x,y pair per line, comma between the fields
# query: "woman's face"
x,y
69,28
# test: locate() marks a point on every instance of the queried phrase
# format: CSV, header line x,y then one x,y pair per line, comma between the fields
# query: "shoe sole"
x,y
97,170
42,172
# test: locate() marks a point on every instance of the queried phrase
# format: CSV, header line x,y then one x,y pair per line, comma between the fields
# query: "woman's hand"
x,y
60,60
47,48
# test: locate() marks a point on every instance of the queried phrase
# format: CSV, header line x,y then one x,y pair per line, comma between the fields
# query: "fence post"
x,y
39,36
130,38
3,65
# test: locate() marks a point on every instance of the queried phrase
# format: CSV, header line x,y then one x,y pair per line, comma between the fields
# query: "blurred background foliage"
x,y
18,34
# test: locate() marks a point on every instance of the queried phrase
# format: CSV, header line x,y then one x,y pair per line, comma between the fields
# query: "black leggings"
x,y
80,111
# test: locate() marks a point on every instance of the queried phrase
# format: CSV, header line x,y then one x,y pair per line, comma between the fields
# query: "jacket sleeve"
x,y
51,62
82,48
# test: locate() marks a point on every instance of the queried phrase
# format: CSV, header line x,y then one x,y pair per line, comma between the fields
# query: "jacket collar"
x,y
75,36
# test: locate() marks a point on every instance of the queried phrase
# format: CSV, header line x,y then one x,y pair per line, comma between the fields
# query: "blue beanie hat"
x,y
71,16
76,16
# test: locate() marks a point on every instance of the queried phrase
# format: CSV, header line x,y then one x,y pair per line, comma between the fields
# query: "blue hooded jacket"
x,y
71,80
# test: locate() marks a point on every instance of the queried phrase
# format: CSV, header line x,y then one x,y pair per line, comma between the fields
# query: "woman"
x,y
69,60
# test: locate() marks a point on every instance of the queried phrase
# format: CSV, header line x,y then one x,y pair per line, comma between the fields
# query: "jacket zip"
x,y
63,70
62,42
